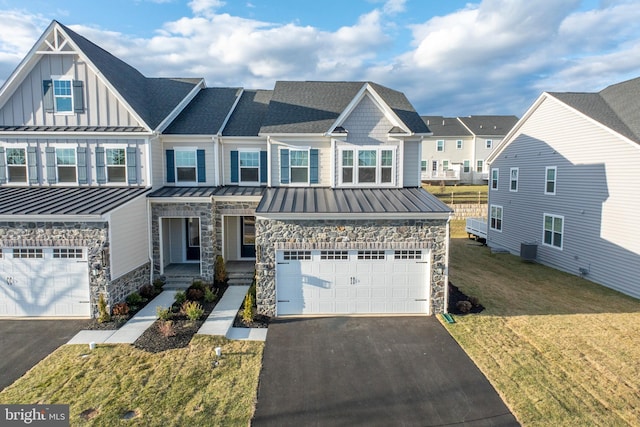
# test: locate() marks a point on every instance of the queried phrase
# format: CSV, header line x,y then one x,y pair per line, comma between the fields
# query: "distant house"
x,y
110,179
566,179
457,150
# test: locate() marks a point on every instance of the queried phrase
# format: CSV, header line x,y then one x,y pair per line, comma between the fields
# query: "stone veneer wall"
x,y
126,284
186,210
355,234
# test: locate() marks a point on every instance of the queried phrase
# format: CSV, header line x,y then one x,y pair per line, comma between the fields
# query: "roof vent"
x,y
443,122
340,129
480,126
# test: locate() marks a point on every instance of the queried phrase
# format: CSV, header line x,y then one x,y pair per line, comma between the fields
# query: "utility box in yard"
x,y
528,251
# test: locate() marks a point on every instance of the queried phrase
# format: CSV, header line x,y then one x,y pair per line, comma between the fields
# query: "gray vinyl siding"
x,y
204,144
228,147
102,108
367,124
411,163
596,192
128,236
324,160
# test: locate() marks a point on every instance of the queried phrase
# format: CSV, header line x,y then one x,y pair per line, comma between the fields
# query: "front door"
x,y
248,237
193,239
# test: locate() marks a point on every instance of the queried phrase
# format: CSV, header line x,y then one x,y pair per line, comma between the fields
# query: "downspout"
x,y
269,161
446,268
216,159
150,237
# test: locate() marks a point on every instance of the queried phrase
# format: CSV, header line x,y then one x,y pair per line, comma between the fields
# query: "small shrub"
x,y
195,294
158,284
220,270
192,310
464,306
166,328
209,295
198,284
180,298
248,313
474,301
147,291
163,313
252,289
134,299
120,309
103,313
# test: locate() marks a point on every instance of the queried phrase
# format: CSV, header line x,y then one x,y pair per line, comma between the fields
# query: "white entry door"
x,y
43,282
352,282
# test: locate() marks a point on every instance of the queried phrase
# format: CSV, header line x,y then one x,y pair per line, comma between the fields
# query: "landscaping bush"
x,y
147,292
180,297
220,271
134,300
464,306
120,309
209,295
195,294
198,284
248,313
158,284
166,328
192,310
103,313
163,313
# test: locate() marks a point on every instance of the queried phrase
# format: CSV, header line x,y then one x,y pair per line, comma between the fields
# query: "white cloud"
x,y
392,7
205,7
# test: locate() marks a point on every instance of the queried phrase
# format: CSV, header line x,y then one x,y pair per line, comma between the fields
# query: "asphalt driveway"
x,y
24,343
351,371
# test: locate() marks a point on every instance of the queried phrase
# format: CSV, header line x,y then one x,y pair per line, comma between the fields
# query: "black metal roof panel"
x,y
281,200
65,200
249,113
11,128
206,113
445,126
489,125
227,190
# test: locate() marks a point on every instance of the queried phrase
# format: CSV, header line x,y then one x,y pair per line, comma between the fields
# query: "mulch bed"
x,y
259,321
456,296
118,321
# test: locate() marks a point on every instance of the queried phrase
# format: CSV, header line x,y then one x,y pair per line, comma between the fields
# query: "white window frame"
x,y
107,166
378,166
423,165
498,217
440,145
55,79
240,167
554,218
69,166
479,166
459,144
195,165
16,166
488,144
493,184
291,167
513,180
547,181
466,166
445,165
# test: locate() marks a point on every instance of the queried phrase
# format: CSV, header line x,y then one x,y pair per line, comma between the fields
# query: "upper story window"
x,y
16,165
513,179
66,164
367,166
299,166
63,95
550,180
488,143
116,165
494,178
459,144
185,165
249,166
553,230
440,145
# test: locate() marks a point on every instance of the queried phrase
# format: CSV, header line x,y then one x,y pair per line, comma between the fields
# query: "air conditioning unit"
x,y
528,251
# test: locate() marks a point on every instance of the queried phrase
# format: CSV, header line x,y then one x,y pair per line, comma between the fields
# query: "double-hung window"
x,y
116,165
495,218
513,179
249,163
440,145
63,96
459,144
186,165
479,166
299,166
66,164
553,230
466,166
367,166
16,165
488,144
494,178
550,180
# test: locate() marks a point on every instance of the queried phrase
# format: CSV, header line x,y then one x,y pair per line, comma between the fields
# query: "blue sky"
x,y
451,58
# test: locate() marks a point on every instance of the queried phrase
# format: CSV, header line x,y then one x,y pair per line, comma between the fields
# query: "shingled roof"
x,y
314,106
445,126
151,98
489,125
617,106
206,113
249,113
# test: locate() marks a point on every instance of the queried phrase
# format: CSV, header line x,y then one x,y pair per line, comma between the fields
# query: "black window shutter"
x,y
264,167
235,166
78,96
171,166
202,174
82,165
284,166
32,162
50,153
132,165
3,167
47,91
101,176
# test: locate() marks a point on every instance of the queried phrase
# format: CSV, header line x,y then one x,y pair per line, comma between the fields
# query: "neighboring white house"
x,y
109,178
459,146
566,178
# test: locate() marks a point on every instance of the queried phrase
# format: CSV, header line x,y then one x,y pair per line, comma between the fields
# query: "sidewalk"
x,y
219,322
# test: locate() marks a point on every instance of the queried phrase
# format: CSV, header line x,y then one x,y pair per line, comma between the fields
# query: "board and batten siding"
x,y
128,237
102,108
597,189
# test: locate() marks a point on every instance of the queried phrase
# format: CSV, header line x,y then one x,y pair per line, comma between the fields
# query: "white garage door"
x,y
44,282
352,282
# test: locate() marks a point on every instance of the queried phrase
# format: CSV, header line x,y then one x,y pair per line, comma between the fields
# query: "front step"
x,y
240,278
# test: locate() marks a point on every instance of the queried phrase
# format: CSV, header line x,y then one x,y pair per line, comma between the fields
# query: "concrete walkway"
x,y
219,322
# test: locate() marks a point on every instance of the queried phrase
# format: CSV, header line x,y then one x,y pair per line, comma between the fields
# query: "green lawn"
x,y
179,387
559,349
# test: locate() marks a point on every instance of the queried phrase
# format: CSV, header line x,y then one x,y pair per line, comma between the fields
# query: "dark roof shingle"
x,y
206,113
249,113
